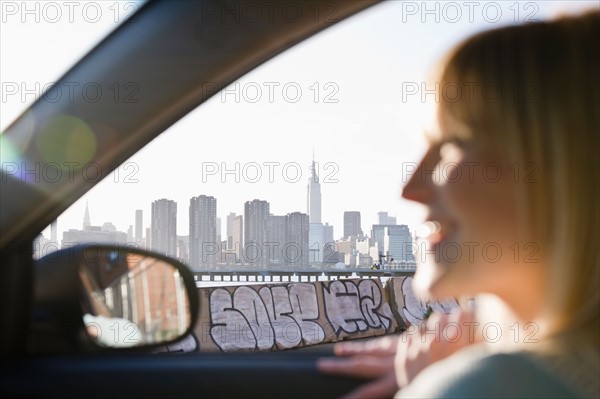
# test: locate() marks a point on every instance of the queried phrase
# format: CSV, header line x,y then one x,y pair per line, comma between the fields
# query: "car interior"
x,y
164,36
171,50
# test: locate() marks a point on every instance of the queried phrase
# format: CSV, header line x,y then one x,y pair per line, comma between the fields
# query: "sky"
x,y
345,94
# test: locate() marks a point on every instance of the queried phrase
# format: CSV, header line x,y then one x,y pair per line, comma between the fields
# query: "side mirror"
x,y
113,297
132,298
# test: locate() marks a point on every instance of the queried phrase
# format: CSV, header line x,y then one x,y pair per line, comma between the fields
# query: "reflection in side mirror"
x,y
132,298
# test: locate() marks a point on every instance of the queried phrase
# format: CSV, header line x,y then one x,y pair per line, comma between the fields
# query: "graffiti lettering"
x,y
353,306
284,316
248,319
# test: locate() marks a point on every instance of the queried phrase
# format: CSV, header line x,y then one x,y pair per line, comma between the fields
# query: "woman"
x,y
514,222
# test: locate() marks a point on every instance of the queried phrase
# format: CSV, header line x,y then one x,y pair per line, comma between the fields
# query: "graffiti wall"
x,y
407,307
270,317
292,315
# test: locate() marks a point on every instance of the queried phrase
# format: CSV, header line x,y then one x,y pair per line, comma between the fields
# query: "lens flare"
x,y
428,229
67,140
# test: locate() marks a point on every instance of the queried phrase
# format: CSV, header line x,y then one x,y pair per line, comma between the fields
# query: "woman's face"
x,y
470,191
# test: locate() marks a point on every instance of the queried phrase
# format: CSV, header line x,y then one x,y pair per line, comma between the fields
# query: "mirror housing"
x,y
101,297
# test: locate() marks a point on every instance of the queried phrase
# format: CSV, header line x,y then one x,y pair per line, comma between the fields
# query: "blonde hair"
x,y
533,91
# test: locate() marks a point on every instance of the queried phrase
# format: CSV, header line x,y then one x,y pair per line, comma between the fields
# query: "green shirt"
x,y
474,373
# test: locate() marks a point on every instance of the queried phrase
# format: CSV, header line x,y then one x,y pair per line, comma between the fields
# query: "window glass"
x,y
299,163
37,44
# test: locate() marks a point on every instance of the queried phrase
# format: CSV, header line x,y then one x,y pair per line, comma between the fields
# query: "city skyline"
x,y
258,237
295,200
367,141
224,230
313,203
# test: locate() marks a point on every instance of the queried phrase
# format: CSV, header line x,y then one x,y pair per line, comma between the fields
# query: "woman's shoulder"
x,y
474,373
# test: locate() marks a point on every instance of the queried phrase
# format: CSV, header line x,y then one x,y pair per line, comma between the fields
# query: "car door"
x,y
180,54
170,49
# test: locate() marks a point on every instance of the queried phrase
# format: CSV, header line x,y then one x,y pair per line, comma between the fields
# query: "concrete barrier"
x,y
407,307
270,317
282,316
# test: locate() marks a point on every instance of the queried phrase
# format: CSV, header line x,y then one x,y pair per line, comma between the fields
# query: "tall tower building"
x,y
139,225
130,234
86,217
149,237
314,195
384,218
203,242
219,238
164,227
316,243
256,225
295,251
276,239
237,236
352,226
329,245
54,231
378,233
230,219
397,244
315,232
328,234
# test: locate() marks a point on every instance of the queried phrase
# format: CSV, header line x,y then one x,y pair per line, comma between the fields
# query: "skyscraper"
x,y
86,217
276,239
139,225
237,236
256,224
315,233
54,231
183,248
164,227
377,236
384,218
148,238
295,250
219,238
316,243
397,244
329,245
203,242
314,195
328,233
352,226
229,233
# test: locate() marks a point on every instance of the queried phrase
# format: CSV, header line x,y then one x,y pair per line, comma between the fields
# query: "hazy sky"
x,y
363,126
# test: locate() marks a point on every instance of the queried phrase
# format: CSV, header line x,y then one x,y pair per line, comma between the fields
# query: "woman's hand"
x,y
372,359
392,362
